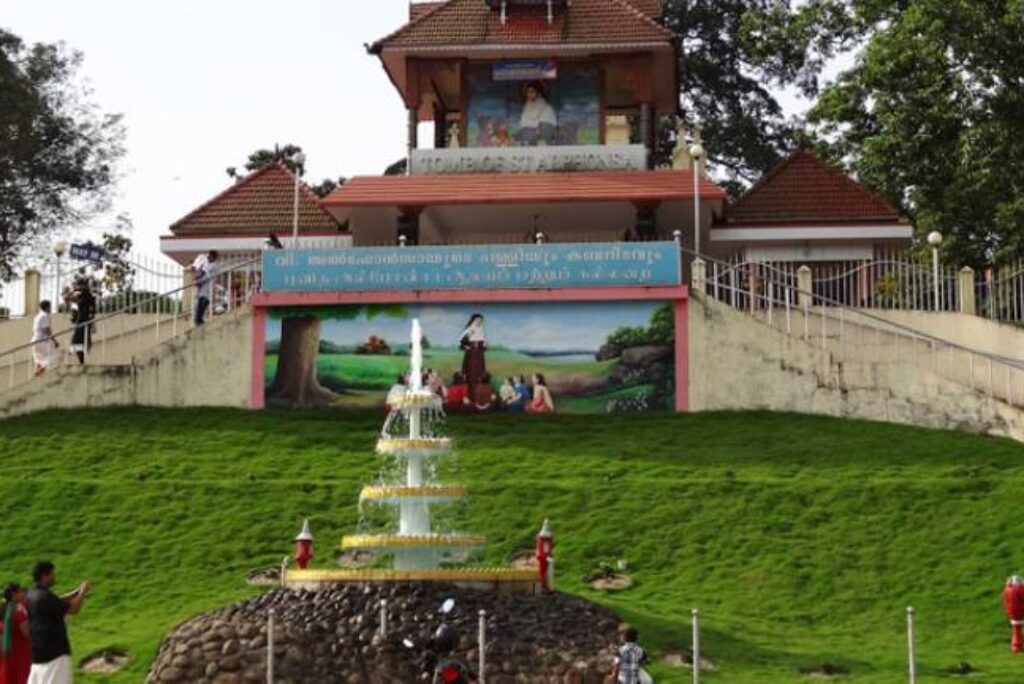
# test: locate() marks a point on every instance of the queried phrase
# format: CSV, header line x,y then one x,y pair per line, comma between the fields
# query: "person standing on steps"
x,y
51,650
83,312
44,345
205,270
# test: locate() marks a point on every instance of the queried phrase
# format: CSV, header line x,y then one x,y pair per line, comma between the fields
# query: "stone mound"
x,y
332,635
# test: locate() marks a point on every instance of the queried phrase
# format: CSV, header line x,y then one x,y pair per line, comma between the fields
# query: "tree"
x,y
931,116
726,65
57,151
295,380
286,156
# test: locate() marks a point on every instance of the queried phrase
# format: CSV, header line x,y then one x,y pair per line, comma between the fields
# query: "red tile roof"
x,y
519,188
260,203
652,8
585,22
805,189
420,8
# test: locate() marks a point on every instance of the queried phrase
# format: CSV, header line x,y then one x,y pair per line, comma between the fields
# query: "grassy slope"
x,y
802,539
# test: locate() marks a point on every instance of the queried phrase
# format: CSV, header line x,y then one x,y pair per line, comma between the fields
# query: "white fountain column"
x,y
414,516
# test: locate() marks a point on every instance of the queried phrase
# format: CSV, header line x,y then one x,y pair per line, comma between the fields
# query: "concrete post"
x,y
966,285
699,275
805,285
31,292
189,293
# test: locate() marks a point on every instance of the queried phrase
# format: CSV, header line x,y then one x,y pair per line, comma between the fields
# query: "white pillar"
x,y
911,649
696,645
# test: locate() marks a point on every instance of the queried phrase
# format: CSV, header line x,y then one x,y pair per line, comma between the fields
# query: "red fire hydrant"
x,y
304,546
545,551
1013,601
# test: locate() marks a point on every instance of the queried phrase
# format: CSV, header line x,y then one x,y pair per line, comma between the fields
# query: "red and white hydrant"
x,y
304,546
545,559
1013,601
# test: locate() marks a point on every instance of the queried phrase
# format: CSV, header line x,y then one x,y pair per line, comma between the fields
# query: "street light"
x,y
935,239
59,248
696,153
299,160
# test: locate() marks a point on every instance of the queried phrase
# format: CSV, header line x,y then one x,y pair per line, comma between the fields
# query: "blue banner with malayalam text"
x,y
613,264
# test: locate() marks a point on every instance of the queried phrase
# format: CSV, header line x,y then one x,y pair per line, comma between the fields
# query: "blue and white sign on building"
x,y
87,252
524,70
625,264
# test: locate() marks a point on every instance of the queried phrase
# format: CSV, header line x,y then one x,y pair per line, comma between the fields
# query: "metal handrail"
x,y
128,308
858,311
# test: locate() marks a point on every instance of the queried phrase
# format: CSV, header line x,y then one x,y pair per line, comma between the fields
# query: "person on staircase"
x,y
205,270
44,344
83,312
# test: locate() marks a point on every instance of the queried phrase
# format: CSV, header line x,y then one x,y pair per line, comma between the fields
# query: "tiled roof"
x,y
804,188
519,188
652,8
585,22
420,8
260,203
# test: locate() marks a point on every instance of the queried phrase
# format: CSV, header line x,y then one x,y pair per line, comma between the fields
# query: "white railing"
x,y
892,281
1000,293
857,334
139,323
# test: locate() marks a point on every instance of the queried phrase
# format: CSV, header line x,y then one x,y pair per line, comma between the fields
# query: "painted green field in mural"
x,y
581,386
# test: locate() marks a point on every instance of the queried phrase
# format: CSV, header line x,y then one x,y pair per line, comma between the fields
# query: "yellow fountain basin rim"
x,y
401,445
394,541
421,399
400,492
426,575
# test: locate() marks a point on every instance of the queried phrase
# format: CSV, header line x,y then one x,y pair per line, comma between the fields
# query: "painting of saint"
x,y
473,344
538,121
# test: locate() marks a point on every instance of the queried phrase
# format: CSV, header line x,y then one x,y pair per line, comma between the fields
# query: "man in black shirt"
x,y
51,651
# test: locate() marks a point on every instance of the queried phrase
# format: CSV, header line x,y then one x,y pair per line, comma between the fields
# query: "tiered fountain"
x,y
412,434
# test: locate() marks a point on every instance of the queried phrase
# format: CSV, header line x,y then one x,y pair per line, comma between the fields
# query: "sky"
x,y
531,327
201,84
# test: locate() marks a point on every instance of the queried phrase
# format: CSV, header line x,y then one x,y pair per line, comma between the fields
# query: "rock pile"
x,y
332,636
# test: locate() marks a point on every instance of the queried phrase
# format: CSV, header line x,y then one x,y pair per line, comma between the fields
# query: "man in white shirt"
x,y
205,270
44,344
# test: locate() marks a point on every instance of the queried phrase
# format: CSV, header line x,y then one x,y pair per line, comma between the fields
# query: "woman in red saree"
x,y
16,651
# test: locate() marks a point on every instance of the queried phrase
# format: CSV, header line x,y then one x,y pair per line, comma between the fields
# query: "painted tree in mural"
x,y
296,381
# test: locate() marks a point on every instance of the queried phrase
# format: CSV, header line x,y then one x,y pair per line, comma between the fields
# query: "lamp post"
x,y
299,159
696,153
935,239
59,248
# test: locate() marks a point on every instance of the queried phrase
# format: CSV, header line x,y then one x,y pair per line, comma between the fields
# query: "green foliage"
x,y
286,156
57,152
930,114
802,539
661,331
726,71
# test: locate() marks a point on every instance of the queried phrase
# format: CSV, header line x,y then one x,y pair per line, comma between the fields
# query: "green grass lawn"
x,y
801,539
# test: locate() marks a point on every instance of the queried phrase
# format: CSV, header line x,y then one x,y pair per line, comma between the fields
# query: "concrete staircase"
x,y
208,366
